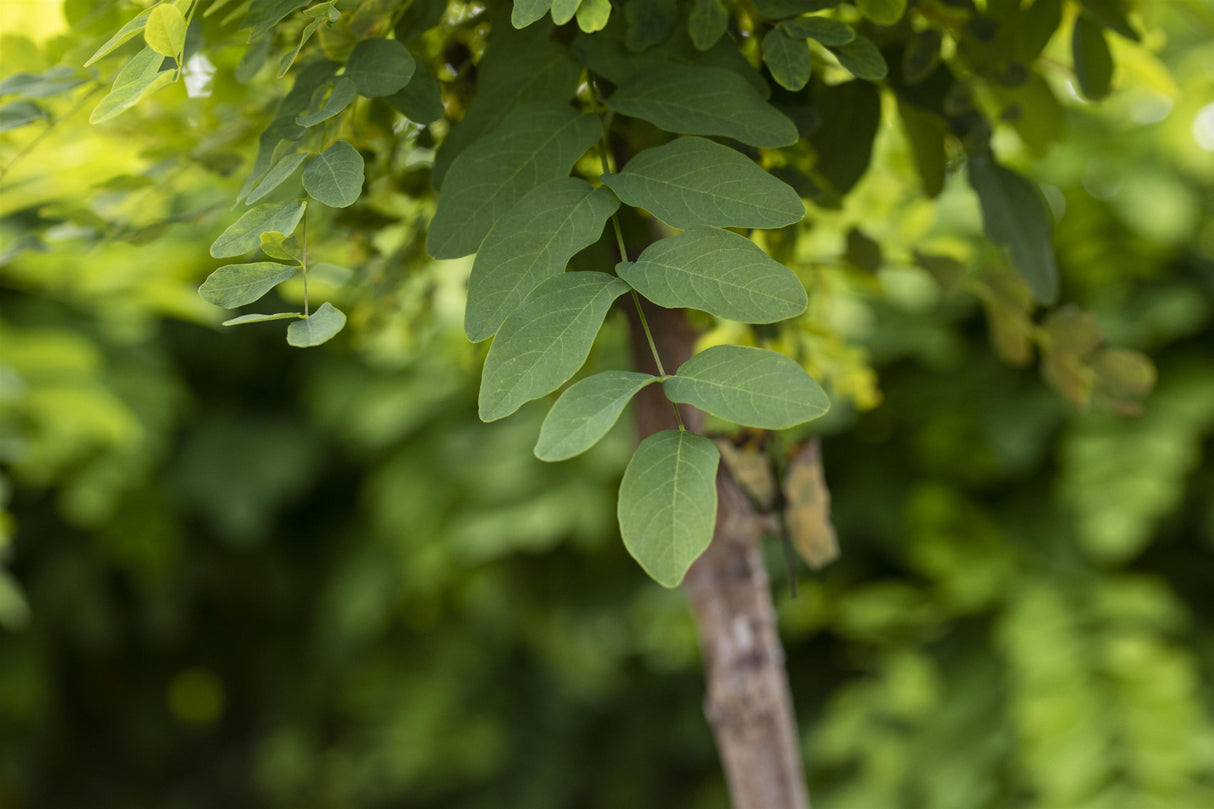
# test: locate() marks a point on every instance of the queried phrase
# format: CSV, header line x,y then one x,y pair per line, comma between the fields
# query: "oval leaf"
x,y
323,324
883,12
340,96
718,272
546,340
526,12
585,412
668,503
706,23
1093,62
165,30
237,284
693,181
563,10
750,386
244,234
700,100
824,30
125,33
335,176
861,57
136,77
1015,214
379,67
243,319
788,59
531,242
532,145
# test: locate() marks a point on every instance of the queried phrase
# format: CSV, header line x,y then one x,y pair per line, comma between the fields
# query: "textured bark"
x,y
748,702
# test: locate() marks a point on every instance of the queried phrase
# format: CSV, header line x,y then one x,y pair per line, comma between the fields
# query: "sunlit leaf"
x,y
545,341
693,181
136,77
750,386
668,503
165,30
825,30
700,100
593,15
531,146
238,284
862,59
244,234
532,241
563,10
124,35
883,12
585,412
318,328
528,11
335,176
718,272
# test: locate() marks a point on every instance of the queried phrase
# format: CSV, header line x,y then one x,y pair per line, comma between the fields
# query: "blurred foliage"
x,y
242,575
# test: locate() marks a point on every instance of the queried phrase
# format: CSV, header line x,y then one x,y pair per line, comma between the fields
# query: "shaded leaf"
x,y
862,59
531,146
750,386
531,242
526,12
1037,26
238,284
922,56
340,97
1014,214
925,131
265,14
825,30
545,341
668,503
421,100
693,181
649,22
700,100
49,83
1093,61
124,34
778,9
19,113
335,176
851,114
706,23
788,59
319,327
277,175
165,30
1112,14
718,272
379,67
883,12
288,58
244,234
585,412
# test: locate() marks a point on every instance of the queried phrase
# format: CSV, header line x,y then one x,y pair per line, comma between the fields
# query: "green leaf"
x,y
320,327
1112,14
545,341
421,100
49,83
244,234
277,175
706,23
19,113
531,242
862,59
851,114
821,29
668,503
1037,26
165,30
243,319
1014,214
749,386
693,181
788,59
335,176
700,100
339,98
563,10
1093,61
237,284
921,57
882,12
125,34
285,248
379,67
288,58
265,14
925,131
779,9
532,145
585,412
593,15
650,22
520,67
528,11
136,77
718,272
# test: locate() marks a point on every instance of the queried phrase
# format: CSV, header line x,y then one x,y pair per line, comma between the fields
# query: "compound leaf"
x,y
585,412
693,181
668,503
718,272
750,386
532,241
532,145
545,341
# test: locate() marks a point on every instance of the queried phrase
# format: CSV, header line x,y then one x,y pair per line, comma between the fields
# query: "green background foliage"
x,y
240,574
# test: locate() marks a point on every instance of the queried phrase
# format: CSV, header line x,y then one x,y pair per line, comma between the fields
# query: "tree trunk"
x,y
748,703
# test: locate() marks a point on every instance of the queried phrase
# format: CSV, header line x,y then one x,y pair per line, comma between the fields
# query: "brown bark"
x,y
748,703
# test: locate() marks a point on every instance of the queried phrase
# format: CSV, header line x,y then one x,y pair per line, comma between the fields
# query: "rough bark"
x,y
748,702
